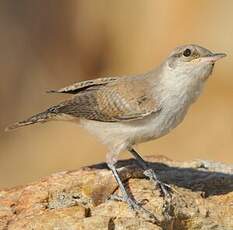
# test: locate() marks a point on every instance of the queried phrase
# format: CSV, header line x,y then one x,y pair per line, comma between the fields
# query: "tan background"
x,y
50,44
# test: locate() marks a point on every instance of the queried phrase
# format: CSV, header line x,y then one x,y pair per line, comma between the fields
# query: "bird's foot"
x,y
135,206
165,189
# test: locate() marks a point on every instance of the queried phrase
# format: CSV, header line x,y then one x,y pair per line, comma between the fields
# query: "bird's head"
x,y
192,61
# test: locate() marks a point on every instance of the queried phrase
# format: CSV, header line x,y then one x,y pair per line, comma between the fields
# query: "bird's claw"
x,y
135,206
165,189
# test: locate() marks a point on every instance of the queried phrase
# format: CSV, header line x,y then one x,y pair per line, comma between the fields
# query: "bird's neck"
x,y
180,88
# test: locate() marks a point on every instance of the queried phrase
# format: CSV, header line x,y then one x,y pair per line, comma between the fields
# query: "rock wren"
x,y
129,110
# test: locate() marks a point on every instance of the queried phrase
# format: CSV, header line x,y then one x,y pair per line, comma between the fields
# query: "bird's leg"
x,y
126,197
149,172
164,188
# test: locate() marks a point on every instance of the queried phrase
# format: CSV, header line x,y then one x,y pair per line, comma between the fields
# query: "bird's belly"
x,y
137,131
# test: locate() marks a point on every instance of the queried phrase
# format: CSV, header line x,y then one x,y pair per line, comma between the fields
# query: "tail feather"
x,y
40,117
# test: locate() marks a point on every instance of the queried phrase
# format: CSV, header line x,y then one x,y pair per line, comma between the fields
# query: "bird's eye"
x,y
187,52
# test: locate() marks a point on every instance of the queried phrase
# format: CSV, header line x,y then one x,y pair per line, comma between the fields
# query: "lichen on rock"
x,y
202,198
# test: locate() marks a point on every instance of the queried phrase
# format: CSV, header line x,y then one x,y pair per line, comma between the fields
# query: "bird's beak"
x,y
213,57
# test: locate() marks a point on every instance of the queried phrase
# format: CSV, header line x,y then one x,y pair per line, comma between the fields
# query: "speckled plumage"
x,y
129,110
121,100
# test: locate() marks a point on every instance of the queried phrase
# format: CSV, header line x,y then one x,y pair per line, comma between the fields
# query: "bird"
x,y
128,110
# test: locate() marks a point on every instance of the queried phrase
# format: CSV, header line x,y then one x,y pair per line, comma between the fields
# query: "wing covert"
x,y
84,85
123,101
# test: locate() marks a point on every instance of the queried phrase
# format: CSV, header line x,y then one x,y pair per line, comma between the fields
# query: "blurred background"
x,y
51,44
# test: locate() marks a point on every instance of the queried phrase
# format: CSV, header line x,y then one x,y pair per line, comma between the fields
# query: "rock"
x,y
202,198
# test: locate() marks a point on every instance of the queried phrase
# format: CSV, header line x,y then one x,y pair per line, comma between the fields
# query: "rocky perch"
x,y
70,200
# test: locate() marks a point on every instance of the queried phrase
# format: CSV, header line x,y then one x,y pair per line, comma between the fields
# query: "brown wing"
x,y
84,85
125,100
